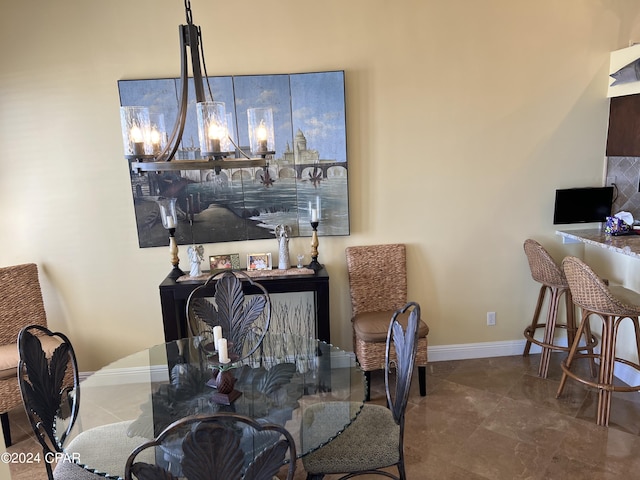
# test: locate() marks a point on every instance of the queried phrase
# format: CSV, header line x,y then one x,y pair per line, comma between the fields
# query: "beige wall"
x,y
463,117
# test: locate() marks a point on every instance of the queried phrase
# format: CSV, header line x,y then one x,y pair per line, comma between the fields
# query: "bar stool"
x,y
547,272
612,304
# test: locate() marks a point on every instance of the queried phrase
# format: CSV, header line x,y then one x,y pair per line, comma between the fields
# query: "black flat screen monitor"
x,y
581,205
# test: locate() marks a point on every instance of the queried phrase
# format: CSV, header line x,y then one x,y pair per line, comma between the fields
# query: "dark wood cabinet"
x,y
623,138
173,299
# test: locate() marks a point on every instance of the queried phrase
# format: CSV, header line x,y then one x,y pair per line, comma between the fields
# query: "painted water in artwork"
x,y
309,168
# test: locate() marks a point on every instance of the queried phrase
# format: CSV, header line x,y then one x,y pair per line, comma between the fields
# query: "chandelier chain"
x,y
187,11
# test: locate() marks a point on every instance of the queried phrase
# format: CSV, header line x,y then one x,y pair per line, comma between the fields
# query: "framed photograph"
x,y
259,261
229,261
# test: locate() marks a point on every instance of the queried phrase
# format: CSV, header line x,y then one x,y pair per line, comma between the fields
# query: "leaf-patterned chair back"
x,y
218,446
405,343
49,386
220,301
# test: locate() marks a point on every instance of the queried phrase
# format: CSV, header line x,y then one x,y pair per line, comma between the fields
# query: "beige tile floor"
x,y
491,419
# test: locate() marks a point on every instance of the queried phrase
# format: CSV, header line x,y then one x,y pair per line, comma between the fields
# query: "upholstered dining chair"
x,y
217,446
375,439
220,301
21,304
50,390
378,287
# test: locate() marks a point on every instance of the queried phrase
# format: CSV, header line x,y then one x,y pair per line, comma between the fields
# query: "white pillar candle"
x,y
314,215
318,206
217,335
223,354
170,222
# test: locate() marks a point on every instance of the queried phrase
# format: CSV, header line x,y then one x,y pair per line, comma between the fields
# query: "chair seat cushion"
x,y
373,326
9,356
371,441
107,447
67,470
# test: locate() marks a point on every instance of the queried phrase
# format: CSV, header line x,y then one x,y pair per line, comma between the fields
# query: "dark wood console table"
x,y
173,299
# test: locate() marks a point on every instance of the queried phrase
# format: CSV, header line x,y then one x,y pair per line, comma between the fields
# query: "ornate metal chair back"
x,y
221,301
218,446
49,387
405,343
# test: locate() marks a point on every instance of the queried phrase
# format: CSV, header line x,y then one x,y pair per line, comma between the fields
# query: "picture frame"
x,y
227,261
259,261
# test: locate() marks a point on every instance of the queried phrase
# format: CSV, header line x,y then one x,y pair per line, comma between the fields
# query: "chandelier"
x,y
148,146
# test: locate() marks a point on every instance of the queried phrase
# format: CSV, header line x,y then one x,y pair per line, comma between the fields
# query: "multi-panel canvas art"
x,y
308,171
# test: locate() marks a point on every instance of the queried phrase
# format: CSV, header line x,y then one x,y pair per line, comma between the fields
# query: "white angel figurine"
x,y
196,255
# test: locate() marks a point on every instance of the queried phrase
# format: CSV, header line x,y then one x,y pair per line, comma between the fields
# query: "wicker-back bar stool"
x,y
612,304
548,273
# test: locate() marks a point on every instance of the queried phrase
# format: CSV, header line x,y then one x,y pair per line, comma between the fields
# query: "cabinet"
x,y
173,300
623,138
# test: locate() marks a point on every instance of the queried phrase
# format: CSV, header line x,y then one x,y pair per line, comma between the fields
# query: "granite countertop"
x,y
625,244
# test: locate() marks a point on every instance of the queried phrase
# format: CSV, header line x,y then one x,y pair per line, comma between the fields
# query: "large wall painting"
x,y
309,167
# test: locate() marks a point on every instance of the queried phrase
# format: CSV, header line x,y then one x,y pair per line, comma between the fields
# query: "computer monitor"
x,y
581,205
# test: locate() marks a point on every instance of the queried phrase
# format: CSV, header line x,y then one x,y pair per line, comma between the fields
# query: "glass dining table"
x,y
148,390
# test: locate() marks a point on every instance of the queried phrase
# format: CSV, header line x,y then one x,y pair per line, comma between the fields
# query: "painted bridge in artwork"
x,y
277,171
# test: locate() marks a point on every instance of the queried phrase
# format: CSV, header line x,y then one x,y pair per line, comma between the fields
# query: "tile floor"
x,y
491,418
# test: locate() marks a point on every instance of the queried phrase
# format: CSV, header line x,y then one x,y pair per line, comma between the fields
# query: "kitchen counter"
x,y
625,244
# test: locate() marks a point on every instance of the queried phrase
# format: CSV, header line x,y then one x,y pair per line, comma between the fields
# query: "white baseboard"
x,y
465,351
437,353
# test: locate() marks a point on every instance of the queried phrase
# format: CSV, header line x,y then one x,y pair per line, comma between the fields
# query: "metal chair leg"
x,y
422,380
6,430
367,387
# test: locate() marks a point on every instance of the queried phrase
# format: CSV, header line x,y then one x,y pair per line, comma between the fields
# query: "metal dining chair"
x,y
216,446
375,438
49,386
220,301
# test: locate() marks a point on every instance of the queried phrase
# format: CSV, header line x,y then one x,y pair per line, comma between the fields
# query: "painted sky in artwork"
x,y
310,102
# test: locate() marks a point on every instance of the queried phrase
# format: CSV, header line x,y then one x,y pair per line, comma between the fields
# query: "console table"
x,y
173,299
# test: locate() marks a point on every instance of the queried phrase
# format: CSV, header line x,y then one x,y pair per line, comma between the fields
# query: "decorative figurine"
x,y
282,234
196,255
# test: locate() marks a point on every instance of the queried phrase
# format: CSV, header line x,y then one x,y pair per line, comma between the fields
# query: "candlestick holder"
x,y
169,218
224,382
173,254
314,265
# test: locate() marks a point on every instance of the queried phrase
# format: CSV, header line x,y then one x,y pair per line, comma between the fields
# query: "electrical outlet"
x,y
611,180
491,318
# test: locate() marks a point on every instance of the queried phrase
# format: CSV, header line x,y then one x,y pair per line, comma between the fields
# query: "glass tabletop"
x,y
139,395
